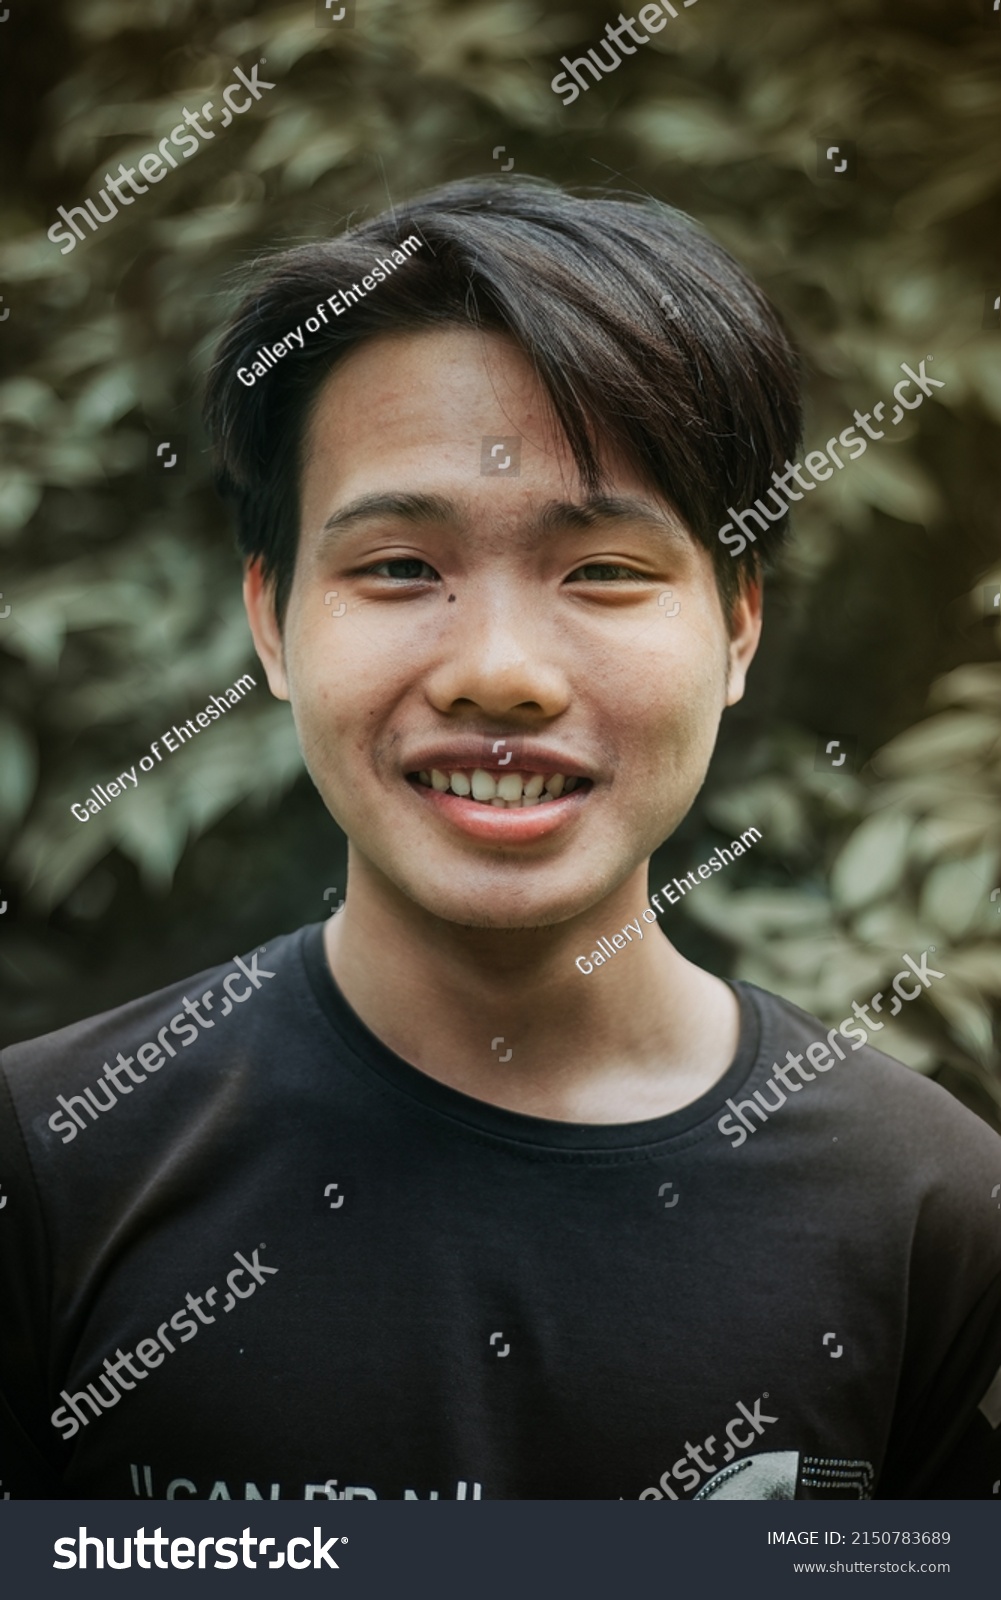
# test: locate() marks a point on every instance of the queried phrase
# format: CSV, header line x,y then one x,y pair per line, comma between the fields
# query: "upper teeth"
x,y
508,789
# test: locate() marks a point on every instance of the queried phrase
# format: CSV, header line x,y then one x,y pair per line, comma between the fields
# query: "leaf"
x,y
978,968
970,1019
942,741
873,860
893,482
20,496
953,896
18,771
686,131
759,913
977,685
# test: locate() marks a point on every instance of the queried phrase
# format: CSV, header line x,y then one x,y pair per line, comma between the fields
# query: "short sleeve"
x,y
29,1451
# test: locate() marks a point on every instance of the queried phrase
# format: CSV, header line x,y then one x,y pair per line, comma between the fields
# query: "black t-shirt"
x,y
265,1258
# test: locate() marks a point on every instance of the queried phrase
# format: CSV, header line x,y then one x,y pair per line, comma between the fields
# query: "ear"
x,y
259,599
745,631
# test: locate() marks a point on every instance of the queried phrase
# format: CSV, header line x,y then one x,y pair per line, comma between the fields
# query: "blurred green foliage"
x,y
124,590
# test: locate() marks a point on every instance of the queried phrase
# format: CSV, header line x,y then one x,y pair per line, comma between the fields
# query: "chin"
x,y
513,922
494,901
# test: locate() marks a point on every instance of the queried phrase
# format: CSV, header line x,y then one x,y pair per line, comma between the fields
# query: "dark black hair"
x,y
645,333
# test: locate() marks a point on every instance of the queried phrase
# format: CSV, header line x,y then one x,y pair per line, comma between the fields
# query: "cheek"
x,y
342,682
322,687
675,700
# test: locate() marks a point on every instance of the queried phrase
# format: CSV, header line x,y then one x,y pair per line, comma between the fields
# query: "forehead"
x,y
423,411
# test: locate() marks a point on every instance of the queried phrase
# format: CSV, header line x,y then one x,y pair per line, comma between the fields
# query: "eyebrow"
x,y
414,508
554,517
600,508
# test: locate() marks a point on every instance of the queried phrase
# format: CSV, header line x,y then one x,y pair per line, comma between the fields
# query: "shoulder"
x,y
862,1076
191,1022
906,1133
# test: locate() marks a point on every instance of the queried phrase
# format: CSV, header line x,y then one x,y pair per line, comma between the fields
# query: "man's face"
x,y
483,627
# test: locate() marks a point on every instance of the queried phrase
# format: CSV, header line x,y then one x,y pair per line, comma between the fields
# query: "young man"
x,y
446,1197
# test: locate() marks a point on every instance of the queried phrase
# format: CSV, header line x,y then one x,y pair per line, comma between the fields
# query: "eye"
x,y
404,569
604,572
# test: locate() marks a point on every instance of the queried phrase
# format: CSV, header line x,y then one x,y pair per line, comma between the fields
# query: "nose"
x,y
495,658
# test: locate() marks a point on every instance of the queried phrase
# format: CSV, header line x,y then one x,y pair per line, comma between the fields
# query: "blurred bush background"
x,y
123,585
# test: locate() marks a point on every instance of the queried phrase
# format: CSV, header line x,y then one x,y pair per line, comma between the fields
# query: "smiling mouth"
x,y
508,791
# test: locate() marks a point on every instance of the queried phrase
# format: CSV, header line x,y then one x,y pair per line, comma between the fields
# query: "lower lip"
x,y
490,823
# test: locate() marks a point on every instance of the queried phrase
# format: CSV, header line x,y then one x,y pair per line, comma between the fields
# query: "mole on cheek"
x,y
451,597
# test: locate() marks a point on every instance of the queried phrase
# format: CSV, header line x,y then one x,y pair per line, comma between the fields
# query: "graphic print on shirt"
x,y
187,1489
690,1467
781,1474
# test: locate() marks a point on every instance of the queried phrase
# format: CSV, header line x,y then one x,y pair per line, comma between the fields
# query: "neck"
x,y
644,1033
